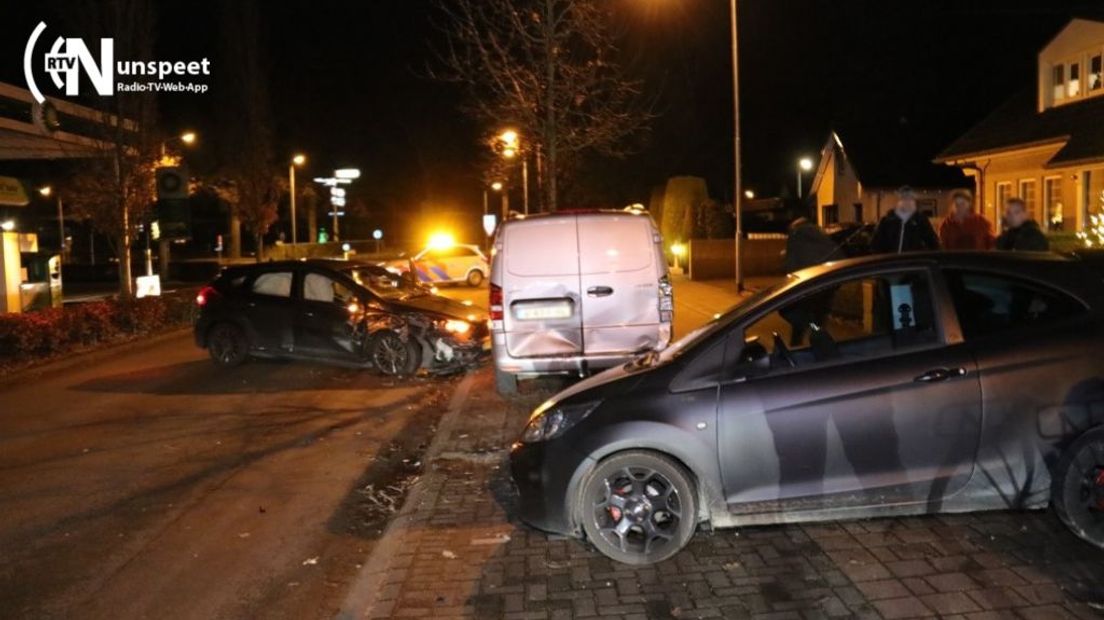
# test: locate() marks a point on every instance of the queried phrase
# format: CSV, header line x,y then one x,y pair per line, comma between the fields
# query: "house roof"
x,y
890,158
1017,124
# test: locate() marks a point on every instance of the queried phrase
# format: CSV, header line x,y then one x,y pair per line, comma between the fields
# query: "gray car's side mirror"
x,y
754,360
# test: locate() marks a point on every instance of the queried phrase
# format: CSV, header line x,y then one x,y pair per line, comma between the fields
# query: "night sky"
x,y
348,88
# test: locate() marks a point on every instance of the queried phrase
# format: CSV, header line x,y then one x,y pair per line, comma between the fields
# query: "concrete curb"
x,y
365,589
68,360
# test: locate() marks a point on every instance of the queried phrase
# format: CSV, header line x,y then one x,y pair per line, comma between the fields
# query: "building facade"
x,y
1045,145
860,185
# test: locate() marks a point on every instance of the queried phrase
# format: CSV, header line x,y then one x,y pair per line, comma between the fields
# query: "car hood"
x,y
439,306
608,383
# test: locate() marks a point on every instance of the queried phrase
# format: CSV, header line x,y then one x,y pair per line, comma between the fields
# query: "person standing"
x,y
807,245
1021,233
963,229
904,229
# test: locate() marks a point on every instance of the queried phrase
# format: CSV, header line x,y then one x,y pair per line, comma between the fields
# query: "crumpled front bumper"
x,y
450,354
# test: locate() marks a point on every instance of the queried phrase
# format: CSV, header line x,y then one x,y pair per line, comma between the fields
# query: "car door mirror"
x,y
754,361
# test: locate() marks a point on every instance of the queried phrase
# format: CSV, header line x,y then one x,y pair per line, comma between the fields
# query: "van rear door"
x,y
617,264
542,313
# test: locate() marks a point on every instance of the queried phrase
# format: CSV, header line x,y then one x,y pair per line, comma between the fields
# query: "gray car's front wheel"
x,y
639,507
1077,490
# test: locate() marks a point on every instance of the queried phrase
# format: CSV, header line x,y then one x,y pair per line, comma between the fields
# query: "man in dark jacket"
x,y
807,245
1021,232
904,229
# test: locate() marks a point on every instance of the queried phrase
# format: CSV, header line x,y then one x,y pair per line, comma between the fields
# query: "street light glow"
x,y
497,186
46,190
749,194
8,225
188,137
678,249
299,159
806,164
509,137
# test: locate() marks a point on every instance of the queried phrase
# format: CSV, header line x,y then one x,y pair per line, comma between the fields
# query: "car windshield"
x,y
384,283
722,320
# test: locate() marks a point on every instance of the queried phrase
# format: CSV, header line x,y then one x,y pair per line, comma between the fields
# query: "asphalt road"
x,y
155,485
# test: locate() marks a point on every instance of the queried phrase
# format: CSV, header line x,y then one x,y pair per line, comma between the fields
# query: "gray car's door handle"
x,y
940,374
600,291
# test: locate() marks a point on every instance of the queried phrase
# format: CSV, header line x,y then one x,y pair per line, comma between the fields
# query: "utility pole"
x,y
736,193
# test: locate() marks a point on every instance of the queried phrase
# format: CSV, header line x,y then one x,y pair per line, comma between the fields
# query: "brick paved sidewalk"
x,y
458,551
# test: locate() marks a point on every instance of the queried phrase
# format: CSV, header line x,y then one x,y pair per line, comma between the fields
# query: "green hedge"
x,y
31,336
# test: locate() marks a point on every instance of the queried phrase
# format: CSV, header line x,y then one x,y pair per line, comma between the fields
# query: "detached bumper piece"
x,y
452,356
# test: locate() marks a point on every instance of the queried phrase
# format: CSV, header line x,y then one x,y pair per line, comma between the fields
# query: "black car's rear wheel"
x,y
227,345
1077,489
392,355
639,507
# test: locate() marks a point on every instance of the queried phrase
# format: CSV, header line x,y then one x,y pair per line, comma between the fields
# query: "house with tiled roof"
x,y
1045,145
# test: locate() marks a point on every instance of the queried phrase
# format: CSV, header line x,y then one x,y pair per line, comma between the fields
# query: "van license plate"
x,y
534,312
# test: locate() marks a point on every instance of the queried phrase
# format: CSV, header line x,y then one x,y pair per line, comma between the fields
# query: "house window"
x,y
858,207
831,214
1027,193
1004,191
1096,72
1073,84
1058,81
1052,202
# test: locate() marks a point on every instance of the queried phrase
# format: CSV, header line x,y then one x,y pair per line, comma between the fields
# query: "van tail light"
x,y
496,302
205,295
666,299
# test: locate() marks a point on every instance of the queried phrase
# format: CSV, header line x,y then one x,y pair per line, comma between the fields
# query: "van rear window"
x,y
615,244
542,248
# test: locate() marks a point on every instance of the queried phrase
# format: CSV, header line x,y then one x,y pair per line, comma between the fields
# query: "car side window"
x,y
852,320
991,304
321,288
273,284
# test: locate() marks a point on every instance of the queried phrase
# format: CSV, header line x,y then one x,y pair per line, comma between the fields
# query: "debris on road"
x,y
448,555
310,561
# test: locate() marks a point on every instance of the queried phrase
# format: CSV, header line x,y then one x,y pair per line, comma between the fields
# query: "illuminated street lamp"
x,y
804,164
749,194
497,186
297,160
509,146
188,138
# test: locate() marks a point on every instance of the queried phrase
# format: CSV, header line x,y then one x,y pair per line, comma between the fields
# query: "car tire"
x,y
393,356
475,277
506,384
227,345
1077,488
638,507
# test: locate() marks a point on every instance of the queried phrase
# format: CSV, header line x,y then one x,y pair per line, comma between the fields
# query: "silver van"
x,y
576,291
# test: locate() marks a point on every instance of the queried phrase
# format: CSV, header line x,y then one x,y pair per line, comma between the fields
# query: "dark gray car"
x,y
893,385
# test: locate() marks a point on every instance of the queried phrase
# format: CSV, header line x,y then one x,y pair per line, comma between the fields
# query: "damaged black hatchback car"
x,y
337,311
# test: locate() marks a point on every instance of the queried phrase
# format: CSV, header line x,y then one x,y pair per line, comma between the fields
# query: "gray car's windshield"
x,y
723,320
384,283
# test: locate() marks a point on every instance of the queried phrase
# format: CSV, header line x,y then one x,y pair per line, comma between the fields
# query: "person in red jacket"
x,y
963,229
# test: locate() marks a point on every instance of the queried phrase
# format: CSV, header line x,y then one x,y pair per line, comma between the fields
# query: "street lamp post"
x,y
510,144
298,160
803,165
736,145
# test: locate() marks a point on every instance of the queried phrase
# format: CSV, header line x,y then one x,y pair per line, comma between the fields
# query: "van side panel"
x,y
539,277
620,287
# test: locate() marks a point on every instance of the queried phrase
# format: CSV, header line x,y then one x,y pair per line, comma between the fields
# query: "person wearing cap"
x,y
904,229
963,229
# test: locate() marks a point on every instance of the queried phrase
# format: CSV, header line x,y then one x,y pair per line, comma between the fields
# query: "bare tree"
x,y
245,126
116,191
548,68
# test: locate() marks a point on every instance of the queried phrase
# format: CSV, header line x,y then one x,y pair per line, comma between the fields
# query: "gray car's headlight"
x,y
551,420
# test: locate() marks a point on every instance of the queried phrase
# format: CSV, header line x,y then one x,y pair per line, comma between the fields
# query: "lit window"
x,y
1095,73
1027,193
1059,80
1073,86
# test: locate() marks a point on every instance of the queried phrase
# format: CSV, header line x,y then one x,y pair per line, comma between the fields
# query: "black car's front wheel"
x,y
227,345
1077,490
639,507
392,355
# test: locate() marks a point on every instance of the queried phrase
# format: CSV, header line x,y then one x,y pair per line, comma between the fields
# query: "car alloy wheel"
x,y
1077,490
639,507
227,345
392,355
475,277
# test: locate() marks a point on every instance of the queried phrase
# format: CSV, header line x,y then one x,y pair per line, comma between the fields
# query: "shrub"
x,y
33,335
